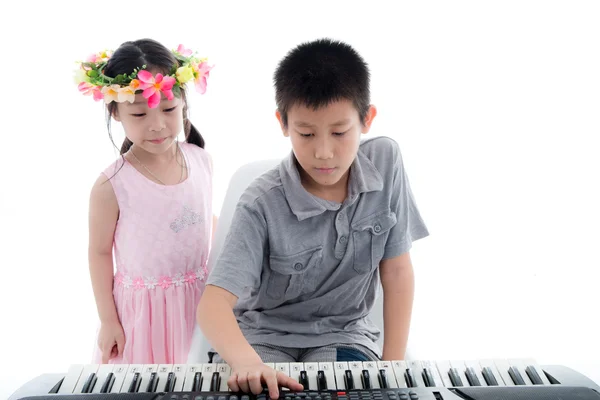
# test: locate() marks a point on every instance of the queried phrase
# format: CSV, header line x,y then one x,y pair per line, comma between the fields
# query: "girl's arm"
x,y
103,215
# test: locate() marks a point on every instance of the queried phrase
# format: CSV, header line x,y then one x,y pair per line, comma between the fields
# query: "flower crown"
x,y
91,80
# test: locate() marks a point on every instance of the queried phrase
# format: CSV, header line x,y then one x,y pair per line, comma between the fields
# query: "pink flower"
x,y
153,86
119,278
138,283
190,277
88,89
202,72
164,282
183,51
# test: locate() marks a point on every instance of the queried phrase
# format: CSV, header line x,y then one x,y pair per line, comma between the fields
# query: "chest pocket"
x,y
294,275
370,235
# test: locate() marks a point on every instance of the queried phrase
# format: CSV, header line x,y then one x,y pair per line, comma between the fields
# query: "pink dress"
x,y
161,247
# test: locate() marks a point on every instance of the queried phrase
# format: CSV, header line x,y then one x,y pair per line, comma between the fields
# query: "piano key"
x,y
373,369
180,371
89,383
134,385
502,366
490,366
365,378
120,374
489,377
215,382
270,365
428,377
534,365
389,372
516,376
472,377
416,369
460,369
399,368
170,382
443,367
190,378
146,374
321,381
152,383
384,382
304,380
103,372
224,374
71,379
519,365
106,387
283,367
455,377
435,373
533,375
356,368
207,374
340,368
327,369
162,374
295,368
349,380
476,370
85,375
409,378
311,369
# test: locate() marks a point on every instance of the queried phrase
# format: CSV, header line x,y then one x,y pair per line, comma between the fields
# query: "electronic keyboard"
x,y
371,380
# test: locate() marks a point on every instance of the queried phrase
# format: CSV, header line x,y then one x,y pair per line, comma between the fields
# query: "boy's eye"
x,y
338,133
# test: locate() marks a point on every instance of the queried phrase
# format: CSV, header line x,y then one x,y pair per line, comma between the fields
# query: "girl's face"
x,y
151,129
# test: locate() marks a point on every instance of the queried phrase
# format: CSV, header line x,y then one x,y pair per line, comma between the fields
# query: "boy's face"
x,y
325,142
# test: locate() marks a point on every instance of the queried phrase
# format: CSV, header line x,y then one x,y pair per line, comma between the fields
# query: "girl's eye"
x,y
170,109
339,133
306,135
138,115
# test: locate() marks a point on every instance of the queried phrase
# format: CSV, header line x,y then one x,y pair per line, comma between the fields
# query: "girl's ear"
x,y
115,113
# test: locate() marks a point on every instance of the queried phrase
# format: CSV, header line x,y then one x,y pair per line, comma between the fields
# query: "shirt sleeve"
x,y
409,223
239,265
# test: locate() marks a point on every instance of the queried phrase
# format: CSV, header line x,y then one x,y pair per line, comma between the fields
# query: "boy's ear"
x,y
371,114
280,119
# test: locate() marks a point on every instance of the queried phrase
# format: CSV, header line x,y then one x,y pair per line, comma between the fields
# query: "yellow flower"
x,y
111,93
126,93
80,76
184,74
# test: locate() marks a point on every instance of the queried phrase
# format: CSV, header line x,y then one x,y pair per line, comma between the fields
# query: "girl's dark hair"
x,y
156,57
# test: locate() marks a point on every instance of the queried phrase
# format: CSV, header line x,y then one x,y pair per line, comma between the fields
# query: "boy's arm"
x,y
239,266
397,280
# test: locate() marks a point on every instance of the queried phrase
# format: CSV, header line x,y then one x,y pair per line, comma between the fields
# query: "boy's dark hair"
x,y
135,54
316,73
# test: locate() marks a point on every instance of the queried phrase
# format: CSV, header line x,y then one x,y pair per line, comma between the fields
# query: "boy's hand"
x,y
111,340
251,377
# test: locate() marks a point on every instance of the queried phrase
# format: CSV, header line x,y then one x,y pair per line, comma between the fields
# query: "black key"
x,y
533,375
135,383
321,381
152,383
348,380
489,376
428,377
197,385
366,379
56,387
455,377
304,379
170,385
409,378
215,382
88,386
472,377
383,379
516,376
108,383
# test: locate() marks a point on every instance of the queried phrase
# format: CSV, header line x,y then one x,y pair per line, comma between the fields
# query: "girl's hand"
x,y
111,340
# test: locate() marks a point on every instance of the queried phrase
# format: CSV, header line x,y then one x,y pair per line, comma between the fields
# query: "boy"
x,y
299,269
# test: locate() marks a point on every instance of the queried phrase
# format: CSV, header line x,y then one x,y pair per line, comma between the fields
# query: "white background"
x,y
496,106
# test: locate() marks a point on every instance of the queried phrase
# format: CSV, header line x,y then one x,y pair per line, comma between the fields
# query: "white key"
x,y
502,366
399,367
435,373
521,367
102,374
180,371
119,374
295,369
207,373
131,371
416,368
311,369
371,366
531,362
285,368
85,374
492,366
163,376
271,365
190,373
224,373
356,367
444,368
340,371
327,368
70,381
460,368
146,374
389,373
474,364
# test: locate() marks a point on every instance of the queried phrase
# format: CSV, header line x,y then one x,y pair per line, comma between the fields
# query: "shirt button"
x,y
298,266
377,228
340,217
343,239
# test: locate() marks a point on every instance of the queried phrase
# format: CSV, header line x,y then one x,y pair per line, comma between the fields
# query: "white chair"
x,y
240,180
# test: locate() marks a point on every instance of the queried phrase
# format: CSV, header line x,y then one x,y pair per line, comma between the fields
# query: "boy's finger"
x,y
288,382
271,381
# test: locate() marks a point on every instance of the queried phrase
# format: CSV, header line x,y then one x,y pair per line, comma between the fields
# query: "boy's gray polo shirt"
x,y
305,270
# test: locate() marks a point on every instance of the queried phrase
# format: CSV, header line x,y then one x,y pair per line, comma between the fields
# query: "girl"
x,y
152,205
